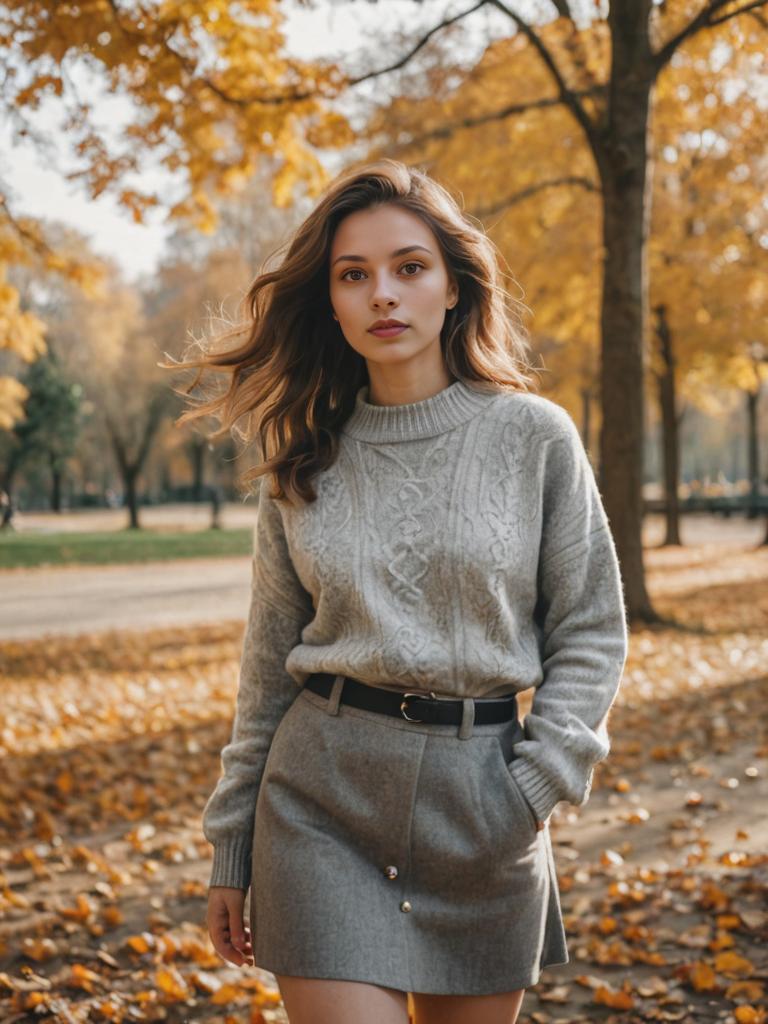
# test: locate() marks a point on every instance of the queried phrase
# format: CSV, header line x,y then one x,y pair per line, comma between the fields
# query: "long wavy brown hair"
x,y
294,377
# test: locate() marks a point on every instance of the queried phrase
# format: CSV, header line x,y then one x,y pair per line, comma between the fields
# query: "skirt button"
x,y
405,906
390,871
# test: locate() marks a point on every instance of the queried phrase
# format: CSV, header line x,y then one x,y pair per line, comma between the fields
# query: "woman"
x,y
434,543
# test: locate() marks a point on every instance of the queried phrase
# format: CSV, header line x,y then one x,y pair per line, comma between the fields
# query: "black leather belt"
x,y
413,707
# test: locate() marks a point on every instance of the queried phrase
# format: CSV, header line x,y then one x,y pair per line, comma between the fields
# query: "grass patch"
x,y
24,550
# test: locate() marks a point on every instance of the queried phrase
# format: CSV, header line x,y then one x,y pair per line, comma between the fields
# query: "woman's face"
x,y
386,264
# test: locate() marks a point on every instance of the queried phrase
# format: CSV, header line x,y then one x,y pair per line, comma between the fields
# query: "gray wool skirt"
x,y
400,854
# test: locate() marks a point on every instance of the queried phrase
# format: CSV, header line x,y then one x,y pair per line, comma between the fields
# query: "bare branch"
x,y
445,131
742,10
519,197
34,240
567,95
421,43
704,19
295,95
562,9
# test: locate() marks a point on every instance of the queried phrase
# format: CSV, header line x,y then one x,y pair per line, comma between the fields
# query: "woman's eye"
x,y
353,270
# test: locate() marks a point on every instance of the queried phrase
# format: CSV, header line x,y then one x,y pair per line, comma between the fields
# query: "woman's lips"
x,y
389,332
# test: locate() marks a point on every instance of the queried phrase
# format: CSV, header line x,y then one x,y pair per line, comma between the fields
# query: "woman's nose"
x,y
383,293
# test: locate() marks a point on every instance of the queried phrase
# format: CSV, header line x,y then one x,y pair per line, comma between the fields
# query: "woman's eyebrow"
x,y
397,252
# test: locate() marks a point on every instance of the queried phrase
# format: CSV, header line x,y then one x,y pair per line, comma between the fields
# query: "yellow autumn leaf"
x,y
732,964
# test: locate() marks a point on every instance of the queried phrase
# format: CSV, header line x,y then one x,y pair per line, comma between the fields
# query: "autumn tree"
x,y
47,431
706,298
222,92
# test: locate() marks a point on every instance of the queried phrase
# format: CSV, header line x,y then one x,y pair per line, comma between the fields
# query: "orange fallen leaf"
x,y
113,916
39,949
141,943
227,994
732,964
722,940
638,816
751,990
81,911
172,983
64,782
749,1015
82,977
702,977
620,1000
736,859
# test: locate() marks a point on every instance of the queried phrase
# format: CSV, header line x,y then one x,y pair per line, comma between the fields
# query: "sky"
x,y
39,188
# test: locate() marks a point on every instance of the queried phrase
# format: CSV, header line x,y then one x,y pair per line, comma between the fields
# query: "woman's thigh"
x,y
327,1001
498,1008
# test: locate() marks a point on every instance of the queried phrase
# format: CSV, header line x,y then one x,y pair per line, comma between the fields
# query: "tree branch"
x,y
296,95
532,190
742,10
562,9
704,19
447,130
419,45
566,94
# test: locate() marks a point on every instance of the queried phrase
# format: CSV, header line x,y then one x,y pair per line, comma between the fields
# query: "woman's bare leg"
x,y
499,1008
327,1001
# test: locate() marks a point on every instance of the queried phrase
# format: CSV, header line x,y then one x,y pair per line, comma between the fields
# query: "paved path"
x,y
77,599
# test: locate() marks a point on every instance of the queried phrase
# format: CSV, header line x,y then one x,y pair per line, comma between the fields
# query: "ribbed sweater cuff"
x,y
232,863
538,790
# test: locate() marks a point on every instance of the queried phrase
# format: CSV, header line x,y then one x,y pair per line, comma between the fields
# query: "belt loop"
x,y
334,697
467,718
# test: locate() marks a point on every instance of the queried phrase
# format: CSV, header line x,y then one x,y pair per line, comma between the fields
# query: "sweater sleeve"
x,y
279,609
580,615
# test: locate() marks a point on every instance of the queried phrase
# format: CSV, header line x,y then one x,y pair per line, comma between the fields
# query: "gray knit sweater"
x,y
458,544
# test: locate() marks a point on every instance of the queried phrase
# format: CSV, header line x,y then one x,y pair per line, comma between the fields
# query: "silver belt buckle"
x,y
404,703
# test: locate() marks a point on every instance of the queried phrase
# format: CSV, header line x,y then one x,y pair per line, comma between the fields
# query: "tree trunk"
x,y
623,164
753,456
9,475
670,437
198,446
55,486
130,476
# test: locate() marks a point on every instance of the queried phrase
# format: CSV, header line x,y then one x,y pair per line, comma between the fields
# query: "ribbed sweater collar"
x,y
447,409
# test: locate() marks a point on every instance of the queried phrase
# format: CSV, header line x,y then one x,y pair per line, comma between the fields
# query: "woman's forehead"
x,y
379,232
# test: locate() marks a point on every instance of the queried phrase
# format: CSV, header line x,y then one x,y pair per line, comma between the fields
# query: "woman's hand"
x,y
229,934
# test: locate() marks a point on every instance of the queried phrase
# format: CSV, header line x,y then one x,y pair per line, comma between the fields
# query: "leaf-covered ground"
x,y
110,747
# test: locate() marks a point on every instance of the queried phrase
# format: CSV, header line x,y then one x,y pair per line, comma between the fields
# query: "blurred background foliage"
x,y
615,156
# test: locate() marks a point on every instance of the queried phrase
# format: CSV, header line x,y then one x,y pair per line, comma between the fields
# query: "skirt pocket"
x,y
524,809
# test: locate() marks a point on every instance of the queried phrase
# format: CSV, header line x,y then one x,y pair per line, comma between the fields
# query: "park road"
x,y
83,599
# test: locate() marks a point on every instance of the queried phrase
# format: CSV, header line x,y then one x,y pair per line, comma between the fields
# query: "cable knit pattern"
x,y
458,544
